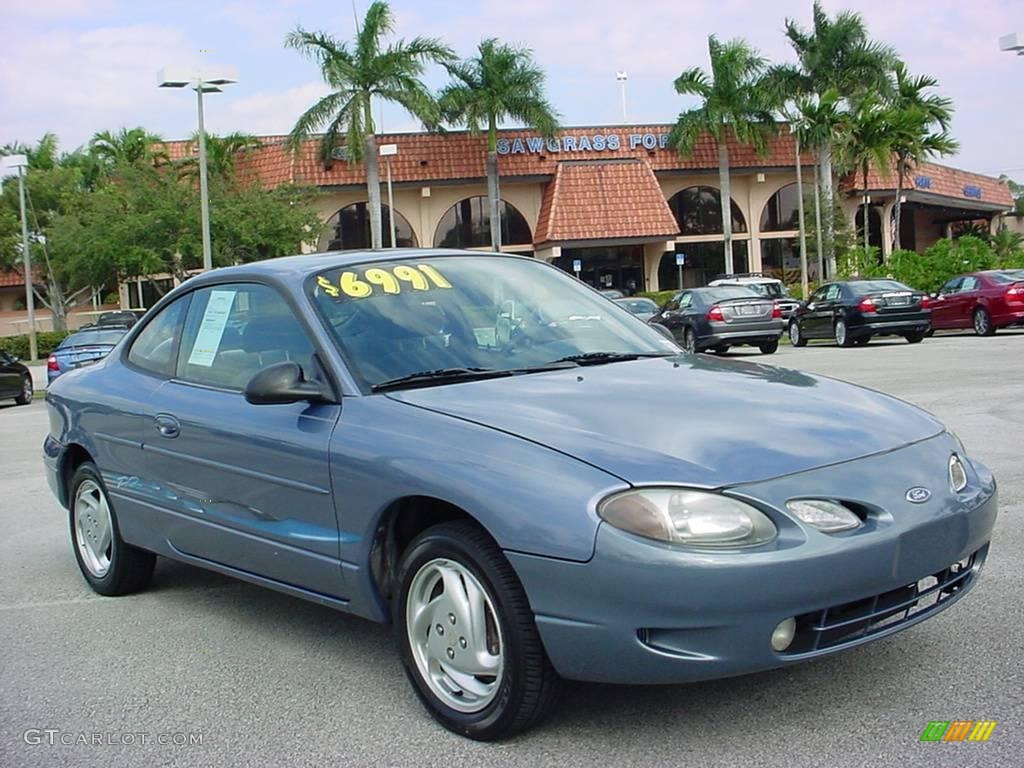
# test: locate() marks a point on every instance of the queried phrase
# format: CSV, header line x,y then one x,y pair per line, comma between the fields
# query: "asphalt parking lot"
x,y
268,680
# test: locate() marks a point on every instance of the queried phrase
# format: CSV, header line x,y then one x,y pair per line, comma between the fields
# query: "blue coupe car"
x,y
528,481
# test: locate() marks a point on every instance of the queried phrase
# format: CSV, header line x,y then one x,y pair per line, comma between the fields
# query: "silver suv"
x,y
769,287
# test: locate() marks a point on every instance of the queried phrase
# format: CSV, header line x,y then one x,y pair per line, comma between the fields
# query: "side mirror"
x,y
809,306
15,359
282,383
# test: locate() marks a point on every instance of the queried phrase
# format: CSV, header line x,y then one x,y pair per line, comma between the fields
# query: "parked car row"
x,y
754,310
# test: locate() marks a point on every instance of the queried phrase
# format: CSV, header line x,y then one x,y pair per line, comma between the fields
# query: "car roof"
x,y
741,280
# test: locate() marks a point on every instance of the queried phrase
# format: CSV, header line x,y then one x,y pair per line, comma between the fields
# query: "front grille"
x,y
840,624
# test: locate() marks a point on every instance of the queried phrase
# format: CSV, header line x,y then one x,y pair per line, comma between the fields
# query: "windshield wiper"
x,y
597,358
440,376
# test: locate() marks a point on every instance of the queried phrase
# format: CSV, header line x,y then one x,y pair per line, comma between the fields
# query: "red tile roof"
x,y
10,279
936,179
604,200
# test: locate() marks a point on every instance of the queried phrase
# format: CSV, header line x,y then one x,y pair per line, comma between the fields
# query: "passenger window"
x,y
833,293
234,331
154,349
969,284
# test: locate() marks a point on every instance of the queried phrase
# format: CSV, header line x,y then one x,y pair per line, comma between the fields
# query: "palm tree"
x,y
129,145
500,83
836,54
922,120
42,157
358,74
868,140
221,153
736,104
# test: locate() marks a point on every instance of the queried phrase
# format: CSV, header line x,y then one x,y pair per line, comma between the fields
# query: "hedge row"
x,y
46,342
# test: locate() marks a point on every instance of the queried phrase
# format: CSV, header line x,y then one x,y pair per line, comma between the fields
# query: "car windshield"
x,y
638,305
91,337
861,287
394,319
726,292
1005,278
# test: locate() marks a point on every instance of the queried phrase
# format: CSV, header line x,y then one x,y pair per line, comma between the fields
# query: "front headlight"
x,y
691,518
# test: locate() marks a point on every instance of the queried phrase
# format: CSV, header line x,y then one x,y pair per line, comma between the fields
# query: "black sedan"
x,y
854,311
15,380
722,317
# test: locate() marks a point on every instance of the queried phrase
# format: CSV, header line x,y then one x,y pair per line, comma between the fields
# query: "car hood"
x,y
687,419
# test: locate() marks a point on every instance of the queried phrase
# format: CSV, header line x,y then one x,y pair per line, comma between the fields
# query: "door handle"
x,y
167,425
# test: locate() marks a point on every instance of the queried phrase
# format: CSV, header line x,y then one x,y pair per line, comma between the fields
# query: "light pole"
x,y
800,211
20,162
389,151
200,83
621,77
1012,43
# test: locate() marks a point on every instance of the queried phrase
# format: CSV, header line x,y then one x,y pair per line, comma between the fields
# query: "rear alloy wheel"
x,y
690,341
796,336
983,322
467,635
26,391
111,566
916,337
842,334
769,348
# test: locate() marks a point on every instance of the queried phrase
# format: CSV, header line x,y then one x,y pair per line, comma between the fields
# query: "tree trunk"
x,y
827,188
897,244
817,220
726,201
867,212
494,200
373,189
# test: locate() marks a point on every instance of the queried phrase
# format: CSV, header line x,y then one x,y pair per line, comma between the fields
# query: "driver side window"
x,y
950,287
234,331
819,294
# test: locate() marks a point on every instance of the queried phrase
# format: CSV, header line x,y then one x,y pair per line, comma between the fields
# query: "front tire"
x,y
690,341
769,348
796,336
111,566
26,391
467,635
983,322
842,334
915,338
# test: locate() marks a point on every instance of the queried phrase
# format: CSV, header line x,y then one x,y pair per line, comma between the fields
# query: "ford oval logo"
x,y
918,495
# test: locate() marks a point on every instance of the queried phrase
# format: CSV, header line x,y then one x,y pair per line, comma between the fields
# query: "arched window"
x,y
782,212
467,224
349,229
698,210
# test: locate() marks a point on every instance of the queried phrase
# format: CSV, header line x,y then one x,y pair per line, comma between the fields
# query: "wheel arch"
x,y
71,459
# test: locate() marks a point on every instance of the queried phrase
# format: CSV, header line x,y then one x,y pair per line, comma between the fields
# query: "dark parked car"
x,y
413,437
854,311
15,380
642,307
719,318
121,317
984,301
83,347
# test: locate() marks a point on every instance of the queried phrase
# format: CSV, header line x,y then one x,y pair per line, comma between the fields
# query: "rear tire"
x,y
26,391
862,341
916,337
842,334
796,336
455,570
983,322
110,565
769,348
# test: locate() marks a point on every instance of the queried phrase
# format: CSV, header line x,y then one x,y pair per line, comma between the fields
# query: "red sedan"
x,y
984,301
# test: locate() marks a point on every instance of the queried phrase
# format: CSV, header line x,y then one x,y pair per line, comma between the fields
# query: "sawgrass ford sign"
x,y
583,142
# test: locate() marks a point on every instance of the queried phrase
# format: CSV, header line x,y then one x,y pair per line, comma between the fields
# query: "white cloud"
x,y
267,112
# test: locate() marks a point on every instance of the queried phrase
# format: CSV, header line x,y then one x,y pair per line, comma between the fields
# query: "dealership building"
x,y
615,202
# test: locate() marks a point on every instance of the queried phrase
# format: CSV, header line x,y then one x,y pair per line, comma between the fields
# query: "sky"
x,y
75,67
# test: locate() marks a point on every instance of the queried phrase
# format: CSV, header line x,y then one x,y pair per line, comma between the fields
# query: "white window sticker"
x,y
211,330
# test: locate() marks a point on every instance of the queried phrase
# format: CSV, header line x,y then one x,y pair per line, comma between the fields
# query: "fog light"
x,y
782,637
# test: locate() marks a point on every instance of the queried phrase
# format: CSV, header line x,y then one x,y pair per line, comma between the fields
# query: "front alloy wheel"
x,y
26,391
467,635
690,341
796,337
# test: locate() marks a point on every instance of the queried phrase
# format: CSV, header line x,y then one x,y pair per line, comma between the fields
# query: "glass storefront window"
x,y
874,227
349,229
467,224
698,210
618,267
782,212
704,262
780,258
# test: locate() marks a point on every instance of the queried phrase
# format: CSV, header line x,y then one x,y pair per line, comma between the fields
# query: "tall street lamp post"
x,y
621,77
200,83
800,212
1012,44
388,151
20,163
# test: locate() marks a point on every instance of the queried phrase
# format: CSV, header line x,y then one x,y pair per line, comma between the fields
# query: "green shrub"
x,y
46,342
859,262
658,297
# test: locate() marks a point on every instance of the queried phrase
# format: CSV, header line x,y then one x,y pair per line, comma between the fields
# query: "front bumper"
x,y
640,612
